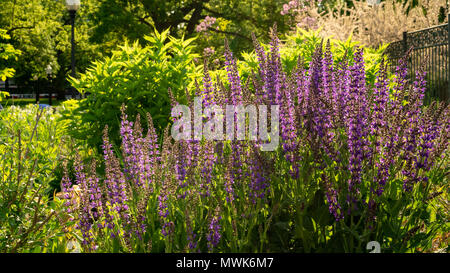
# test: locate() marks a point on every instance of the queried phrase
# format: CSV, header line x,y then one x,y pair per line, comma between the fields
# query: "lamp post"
x,y
36,87
72,6
49,71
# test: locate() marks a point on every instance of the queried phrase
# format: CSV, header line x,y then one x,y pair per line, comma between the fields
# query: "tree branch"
x,y
9,31
231,33
238,15
142,20
195,18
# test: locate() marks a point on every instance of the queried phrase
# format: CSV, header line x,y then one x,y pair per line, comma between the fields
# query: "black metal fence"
x,y
430,48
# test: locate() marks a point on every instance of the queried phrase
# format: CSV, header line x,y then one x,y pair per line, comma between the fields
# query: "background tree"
x,y
130,19
7,54
40,29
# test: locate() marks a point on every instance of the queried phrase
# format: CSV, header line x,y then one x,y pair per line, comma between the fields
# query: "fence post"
x,y
448,57
405,41
405,47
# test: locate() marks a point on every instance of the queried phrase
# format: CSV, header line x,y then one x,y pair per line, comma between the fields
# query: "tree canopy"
x,y
40,29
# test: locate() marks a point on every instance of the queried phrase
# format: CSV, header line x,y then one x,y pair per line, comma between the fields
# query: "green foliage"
x,y
129,77
406,222
295,218
137,76
35,38
7,53
50,141
118,20
29,151
303,44
3,95
237,20
33,146
41,30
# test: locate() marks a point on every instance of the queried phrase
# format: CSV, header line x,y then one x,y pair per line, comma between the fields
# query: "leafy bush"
x,y
7,52
135,75
356,164
29,148
50,141
33,146
49,135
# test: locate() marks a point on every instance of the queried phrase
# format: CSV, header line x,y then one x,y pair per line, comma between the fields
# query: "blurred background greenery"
x,y
35,34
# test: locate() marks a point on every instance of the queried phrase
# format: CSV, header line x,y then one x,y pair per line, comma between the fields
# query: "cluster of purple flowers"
x,y
214,235
298,6
331,120
208,51
293,6
205,24
107,202
331,111
301,7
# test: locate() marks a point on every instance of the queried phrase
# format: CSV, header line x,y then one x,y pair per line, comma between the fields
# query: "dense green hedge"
x,y
136,76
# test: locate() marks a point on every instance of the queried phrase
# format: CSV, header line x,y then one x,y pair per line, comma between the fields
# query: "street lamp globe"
x,y
73,4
